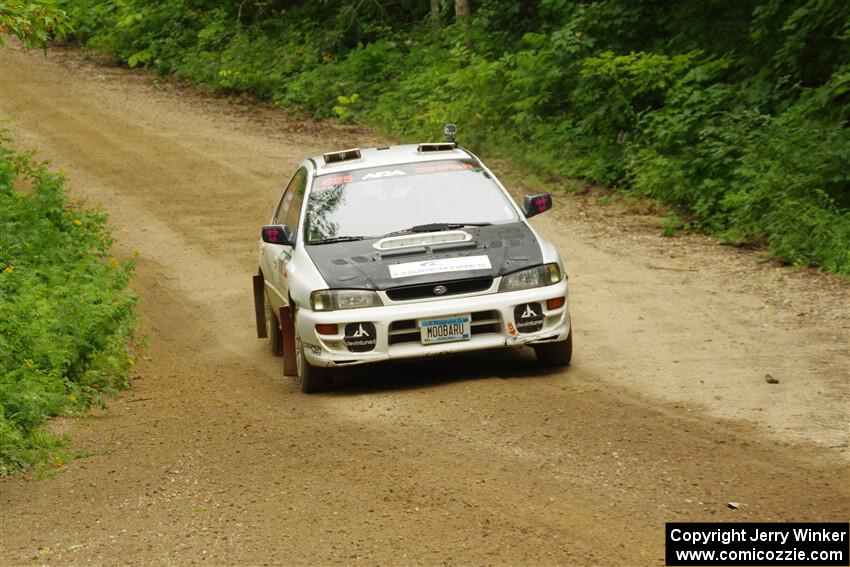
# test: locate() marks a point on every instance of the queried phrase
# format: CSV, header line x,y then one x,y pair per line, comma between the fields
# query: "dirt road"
x,y
665,414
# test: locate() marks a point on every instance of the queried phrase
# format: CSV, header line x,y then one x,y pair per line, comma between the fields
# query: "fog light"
x,y
555,303
327,328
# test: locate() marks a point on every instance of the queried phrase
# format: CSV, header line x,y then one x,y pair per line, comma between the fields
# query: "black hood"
x,y
358,265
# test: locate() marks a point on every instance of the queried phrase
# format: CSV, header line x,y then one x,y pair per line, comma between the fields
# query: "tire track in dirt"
x,y
214,457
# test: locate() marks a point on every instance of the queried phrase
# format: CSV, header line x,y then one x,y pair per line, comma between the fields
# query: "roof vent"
x,y
438,147
345,155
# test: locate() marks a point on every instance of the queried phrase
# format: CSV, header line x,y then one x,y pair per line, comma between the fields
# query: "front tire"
x,y
272,327
311,378
555,354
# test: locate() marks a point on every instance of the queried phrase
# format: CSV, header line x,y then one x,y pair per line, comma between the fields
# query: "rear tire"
x,y
311,378
272,327
555,354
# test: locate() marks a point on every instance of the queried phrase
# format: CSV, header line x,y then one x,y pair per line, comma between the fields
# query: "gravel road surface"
x,y
214,457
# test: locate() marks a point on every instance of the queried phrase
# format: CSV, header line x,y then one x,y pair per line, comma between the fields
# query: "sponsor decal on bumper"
x,y
360,337
528,317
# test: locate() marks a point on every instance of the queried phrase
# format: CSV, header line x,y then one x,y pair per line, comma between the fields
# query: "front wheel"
x,y
555,354
311,378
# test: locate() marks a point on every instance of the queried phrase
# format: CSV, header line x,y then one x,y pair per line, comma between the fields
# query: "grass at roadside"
x,y
66,313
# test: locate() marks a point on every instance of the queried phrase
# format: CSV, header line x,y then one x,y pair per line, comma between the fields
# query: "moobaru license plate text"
x,y
445,330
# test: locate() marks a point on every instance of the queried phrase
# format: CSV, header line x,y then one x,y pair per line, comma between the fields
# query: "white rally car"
x,y
401,252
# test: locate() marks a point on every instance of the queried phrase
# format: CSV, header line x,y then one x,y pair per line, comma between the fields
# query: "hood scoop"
x,y
423,239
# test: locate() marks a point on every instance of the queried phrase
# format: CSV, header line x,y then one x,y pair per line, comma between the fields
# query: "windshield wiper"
x,y
338,239
437,227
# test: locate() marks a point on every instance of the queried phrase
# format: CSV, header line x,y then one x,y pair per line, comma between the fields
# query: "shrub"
x,y
66,315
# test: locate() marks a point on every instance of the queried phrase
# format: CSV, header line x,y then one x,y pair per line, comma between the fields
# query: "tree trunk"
x,y
435,13
462,8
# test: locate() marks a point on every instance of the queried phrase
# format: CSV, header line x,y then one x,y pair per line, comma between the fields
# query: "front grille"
x,y
406,331
455,287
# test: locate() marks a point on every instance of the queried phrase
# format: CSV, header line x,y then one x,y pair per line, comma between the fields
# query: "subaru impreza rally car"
x,y
402,252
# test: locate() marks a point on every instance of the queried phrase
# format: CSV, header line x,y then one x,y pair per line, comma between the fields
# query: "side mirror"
x,y
536,204
277,234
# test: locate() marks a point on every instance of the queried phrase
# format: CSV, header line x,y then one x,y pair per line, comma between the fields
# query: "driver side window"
x,y
281,215
293,215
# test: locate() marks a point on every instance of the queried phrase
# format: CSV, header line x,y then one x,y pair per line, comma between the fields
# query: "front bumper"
x,y
397,336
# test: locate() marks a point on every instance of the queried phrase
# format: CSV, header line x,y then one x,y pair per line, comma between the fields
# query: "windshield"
x,y
378,201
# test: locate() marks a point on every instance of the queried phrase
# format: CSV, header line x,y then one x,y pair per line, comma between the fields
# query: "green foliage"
x,y
345,110
735,114
66,315
672,224
33,21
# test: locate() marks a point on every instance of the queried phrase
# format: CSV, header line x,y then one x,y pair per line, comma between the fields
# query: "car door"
x,y
292,220
276,256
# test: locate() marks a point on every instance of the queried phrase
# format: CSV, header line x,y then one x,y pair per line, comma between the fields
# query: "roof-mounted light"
x,y
345,155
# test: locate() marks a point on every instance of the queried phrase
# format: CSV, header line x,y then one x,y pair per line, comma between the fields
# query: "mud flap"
x,y
259,307
287,329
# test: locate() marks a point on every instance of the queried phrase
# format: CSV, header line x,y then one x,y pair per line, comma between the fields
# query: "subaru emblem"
x,y
440,290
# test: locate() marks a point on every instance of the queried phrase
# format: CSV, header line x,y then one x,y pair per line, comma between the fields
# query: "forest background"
x,y
733,113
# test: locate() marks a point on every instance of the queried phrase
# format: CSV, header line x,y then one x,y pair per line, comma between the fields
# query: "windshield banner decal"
x,y
324,182
462,264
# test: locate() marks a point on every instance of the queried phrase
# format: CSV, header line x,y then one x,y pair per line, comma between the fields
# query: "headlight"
x,y
538,276
332,299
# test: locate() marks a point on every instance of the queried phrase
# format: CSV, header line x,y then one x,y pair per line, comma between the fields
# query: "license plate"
x,y
445,330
